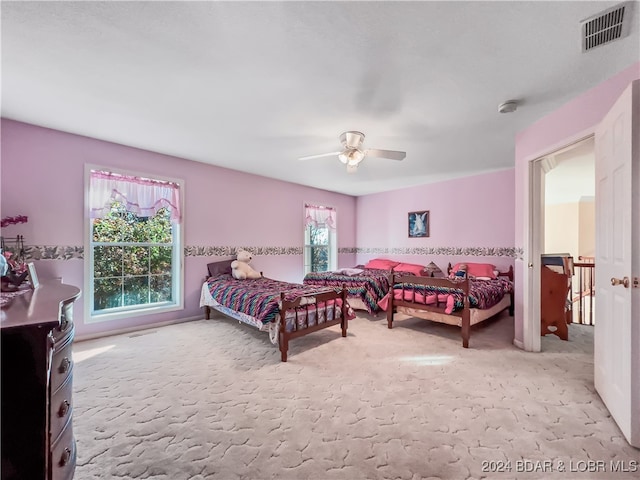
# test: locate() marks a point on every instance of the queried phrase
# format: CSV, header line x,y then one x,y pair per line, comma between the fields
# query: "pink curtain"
x,y
318,215
142,196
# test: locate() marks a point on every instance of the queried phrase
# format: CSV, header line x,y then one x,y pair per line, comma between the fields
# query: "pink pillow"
x,y
477,269
410,268
381,263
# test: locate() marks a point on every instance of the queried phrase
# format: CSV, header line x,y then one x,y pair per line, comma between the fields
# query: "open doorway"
x,y
570,217
565,229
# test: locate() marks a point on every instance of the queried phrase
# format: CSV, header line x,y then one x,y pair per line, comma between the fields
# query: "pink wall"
x,y
43,178
470,214
570,122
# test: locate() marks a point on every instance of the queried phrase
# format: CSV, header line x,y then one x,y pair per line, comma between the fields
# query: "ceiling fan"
x,y
353,153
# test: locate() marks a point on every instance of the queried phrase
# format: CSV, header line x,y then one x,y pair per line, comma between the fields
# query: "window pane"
x,y
319,259
319,235
161,290
136,290
107,262
107,293
160,259
136,260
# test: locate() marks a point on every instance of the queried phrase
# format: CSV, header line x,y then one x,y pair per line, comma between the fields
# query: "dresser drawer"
x,y
61,407
63,455
66,322
62,363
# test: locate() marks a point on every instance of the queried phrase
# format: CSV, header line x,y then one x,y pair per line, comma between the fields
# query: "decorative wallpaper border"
x,y
463,251
204,251
69,252
53,252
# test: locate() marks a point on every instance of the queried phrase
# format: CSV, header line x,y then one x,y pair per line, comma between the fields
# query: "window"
x,y
134,245
320,251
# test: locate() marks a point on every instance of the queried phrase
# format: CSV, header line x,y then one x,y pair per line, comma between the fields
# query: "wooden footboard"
x,y
330,309
413,300
432,307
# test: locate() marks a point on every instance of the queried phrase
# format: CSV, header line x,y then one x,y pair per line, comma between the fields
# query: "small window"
x,y
320,250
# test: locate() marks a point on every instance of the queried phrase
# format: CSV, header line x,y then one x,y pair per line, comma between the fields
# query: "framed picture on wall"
x,y
418,224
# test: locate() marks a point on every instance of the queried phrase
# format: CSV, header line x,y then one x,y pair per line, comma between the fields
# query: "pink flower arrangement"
x,y
6,221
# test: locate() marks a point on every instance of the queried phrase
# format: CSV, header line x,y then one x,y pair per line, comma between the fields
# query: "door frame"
x,y
537,166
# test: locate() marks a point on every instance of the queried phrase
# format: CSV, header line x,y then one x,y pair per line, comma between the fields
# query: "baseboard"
x,y
82,338
518,343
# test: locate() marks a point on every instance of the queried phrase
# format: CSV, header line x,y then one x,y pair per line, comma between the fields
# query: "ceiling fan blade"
x,y
390,154
352,168
311,157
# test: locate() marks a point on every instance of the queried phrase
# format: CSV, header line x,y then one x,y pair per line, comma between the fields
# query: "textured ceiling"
x,y
254,85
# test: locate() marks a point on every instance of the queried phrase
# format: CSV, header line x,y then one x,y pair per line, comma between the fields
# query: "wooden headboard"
x,y
218,268
508,273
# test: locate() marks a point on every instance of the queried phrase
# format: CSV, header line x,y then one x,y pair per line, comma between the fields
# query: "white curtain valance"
x,y
142,196
318,215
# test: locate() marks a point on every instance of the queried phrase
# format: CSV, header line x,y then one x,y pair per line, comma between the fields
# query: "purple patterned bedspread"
x,y
370,285
259,298
483,294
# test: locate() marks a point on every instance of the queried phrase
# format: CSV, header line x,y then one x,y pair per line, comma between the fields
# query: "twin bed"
x,y
285,310
290,310
461,301
367,284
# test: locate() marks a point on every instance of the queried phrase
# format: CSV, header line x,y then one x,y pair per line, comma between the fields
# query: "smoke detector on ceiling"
x,y
508,107
611,24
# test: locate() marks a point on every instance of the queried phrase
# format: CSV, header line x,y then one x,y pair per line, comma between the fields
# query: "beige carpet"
x,y
211,400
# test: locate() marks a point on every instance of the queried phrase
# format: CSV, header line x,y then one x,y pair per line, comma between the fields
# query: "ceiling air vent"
x,y
606,26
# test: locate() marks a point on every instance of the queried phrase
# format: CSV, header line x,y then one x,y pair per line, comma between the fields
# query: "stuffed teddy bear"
x,y
241,269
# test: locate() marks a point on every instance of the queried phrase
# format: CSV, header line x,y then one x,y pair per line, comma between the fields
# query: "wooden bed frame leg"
x,y
390,308
344,324
284,347
207,312
466,327
390,302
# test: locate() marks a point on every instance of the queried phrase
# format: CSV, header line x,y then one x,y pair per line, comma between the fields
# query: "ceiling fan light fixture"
x,y
351,156
353,153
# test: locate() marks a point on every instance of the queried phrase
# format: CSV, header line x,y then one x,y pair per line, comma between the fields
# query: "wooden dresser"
x,y
37,384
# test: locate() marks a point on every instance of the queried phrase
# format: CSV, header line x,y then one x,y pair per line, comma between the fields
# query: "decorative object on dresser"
x,y
13,270
37,378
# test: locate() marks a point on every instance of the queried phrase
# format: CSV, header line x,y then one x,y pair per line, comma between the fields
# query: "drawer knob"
x,y
65,365
64,408
66,456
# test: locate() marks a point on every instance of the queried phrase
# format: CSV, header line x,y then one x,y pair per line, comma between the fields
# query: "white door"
x,y
617,322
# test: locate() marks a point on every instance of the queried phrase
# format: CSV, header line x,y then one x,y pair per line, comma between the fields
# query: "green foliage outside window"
x,y
132,259
319,246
